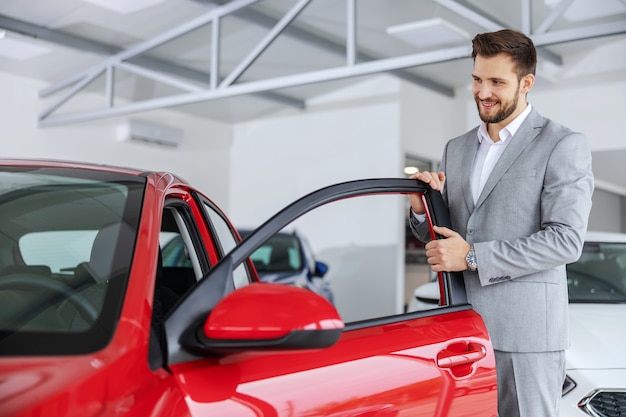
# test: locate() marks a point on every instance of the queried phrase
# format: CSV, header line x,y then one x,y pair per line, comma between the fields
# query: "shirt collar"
x,y
509,130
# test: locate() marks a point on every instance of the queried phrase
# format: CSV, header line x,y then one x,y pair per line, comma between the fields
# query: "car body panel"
x,y
597,328
427,363
360,355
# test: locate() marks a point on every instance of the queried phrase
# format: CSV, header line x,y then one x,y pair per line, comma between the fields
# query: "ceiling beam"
x,y
249,87
361,65
490,23
553,16
328,44
99,48
581,33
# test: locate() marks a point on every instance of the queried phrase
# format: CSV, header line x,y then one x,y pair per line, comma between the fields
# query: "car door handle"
x,y
460,353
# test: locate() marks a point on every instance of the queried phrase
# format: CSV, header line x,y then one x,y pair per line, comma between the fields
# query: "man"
x,y
519,189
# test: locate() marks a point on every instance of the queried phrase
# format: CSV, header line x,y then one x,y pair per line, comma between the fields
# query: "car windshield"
x,y
66,244
599,276
280,253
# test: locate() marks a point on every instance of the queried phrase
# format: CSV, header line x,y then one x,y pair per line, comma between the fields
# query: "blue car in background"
x,y
287,258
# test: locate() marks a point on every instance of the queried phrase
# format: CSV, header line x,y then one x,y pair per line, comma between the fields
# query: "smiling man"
x,y
519,190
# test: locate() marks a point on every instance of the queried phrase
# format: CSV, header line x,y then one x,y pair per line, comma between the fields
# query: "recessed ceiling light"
x,y
125,6
19,49
428,33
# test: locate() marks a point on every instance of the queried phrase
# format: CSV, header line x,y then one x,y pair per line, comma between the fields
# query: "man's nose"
x,y
482,91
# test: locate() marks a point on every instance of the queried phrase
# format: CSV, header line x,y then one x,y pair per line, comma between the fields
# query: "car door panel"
x,y
385,368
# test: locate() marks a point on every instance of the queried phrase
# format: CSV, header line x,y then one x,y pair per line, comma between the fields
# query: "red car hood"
x,y
40,386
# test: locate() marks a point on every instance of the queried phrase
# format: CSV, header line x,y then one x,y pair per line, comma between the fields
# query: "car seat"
x,y
279,259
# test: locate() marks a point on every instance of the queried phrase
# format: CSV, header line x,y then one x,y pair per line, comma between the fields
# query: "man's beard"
x,y
508,108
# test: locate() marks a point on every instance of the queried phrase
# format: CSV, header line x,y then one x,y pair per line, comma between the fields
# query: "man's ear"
x,y
527,83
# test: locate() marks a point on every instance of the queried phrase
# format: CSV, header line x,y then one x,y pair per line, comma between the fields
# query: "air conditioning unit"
x,y
150,132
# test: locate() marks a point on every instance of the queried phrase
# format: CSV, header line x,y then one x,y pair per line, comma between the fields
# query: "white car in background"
x,y
595,384
596,361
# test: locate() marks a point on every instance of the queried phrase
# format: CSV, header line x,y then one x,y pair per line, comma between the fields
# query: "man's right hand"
x,y
434,179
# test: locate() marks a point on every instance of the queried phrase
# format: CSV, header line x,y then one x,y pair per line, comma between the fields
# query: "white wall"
x,y
607,212
598,110
429,120
203,158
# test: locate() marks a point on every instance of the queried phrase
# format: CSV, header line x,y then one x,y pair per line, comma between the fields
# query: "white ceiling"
x,y
421,41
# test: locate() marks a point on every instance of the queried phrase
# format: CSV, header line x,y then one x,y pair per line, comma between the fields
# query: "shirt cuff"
x,y
420,218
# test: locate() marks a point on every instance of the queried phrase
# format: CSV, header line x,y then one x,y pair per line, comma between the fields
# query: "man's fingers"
x,y
430,178
444,231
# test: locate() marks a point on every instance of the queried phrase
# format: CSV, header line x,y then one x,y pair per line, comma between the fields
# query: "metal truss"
x,y
356,64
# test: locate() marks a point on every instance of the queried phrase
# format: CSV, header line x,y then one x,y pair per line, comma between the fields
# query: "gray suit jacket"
x,y
529,221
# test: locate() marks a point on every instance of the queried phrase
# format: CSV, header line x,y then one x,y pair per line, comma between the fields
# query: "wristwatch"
x,y
470,258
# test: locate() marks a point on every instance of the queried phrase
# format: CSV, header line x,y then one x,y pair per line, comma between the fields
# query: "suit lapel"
x,y
471,145
526,133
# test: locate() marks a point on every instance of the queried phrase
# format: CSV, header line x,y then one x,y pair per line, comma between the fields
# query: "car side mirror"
x,y
320,269
266,316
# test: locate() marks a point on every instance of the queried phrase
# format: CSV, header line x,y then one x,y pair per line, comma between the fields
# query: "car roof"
x,y
598,236
91,166
57,163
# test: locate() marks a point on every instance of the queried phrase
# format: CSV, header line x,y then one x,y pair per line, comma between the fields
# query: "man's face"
x,y
496,89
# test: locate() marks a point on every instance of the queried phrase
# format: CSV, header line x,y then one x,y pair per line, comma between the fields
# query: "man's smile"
x,y
488,104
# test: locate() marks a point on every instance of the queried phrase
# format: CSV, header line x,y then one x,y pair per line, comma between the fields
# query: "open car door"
x,y
259,349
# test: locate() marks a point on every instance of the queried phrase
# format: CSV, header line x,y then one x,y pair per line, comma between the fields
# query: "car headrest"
x,y
108,240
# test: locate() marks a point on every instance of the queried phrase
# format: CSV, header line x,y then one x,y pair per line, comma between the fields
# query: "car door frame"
x,y
190,313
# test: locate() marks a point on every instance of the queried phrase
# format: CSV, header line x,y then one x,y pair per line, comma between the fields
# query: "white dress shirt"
x,y
489,151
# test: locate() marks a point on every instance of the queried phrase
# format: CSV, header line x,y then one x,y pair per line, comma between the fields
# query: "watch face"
x,y
470,259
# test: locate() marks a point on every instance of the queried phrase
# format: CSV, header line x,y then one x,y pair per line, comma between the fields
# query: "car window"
x,y
65,253
599,276
178,247
226,241
281,253
174,250
359,239
307,251
182,261
60,250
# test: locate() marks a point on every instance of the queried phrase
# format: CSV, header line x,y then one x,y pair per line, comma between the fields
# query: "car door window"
x,y
226,240
177,245
359,240
183,257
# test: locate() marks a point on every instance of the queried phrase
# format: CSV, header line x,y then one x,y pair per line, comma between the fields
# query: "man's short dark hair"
x,y
515,44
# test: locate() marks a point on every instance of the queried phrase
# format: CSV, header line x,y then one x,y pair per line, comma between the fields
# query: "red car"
x,y
94,321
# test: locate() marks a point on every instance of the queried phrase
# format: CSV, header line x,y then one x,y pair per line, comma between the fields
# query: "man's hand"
x,y
447,254
434,179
